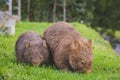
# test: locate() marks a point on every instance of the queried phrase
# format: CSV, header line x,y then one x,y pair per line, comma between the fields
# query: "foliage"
x,y
3,5
103,13
107,14
77,10
105,66
81,11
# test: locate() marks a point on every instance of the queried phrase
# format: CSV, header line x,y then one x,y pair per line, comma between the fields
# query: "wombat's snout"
x,y
37,61
85,70
88,71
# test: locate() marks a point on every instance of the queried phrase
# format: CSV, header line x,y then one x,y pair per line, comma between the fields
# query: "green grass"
x,y
106,65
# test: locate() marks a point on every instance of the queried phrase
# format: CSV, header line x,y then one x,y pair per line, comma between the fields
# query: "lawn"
x,y
106,64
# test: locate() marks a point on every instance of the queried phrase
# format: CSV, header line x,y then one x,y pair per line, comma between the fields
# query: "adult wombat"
x,y
70,51
31,48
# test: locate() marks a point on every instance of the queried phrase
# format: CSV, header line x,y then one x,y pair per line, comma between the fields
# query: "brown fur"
x,y
31,48
70,51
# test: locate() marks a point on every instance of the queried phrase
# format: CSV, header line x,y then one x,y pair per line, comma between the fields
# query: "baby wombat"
x,y
70,51
31,48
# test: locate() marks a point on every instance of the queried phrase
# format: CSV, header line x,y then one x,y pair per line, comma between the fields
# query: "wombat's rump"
x,y
70,51
31,48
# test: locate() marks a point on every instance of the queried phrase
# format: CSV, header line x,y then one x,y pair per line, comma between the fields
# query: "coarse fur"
x,y
31,48
69,49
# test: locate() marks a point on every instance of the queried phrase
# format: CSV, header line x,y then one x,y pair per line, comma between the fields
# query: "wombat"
x,y
69,49
31,48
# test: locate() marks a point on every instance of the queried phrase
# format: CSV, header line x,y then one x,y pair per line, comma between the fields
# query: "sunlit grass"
x,y
106,65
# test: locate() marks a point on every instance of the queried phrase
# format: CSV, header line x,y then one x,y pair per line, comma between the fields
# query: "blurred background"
x,y
102,15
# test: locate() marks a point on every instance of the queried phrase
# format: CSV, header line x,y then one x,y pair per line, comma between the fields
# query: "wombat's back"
x,y
56,32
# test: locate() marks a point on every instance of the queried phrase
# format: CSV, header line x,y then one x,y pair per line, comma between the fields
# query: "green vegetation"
x,y
106,14
102,13
106,65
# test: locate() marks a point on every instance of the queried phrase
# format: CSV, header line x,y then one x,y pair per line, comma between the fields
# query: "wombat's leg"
x,y
61,63
62,66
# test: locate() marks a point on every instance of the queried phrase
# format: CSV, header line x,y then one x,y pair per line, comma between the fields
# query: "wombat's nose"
x,y
88,71
36,63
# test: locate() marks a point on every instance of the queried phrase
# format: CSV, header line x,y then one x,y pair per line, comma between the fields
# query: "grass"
x,y
106,65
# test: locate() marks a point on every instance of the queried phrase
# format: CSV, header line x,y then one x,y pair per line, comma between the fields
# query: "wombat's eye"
x,y
89,64
82,62
41,57
30,57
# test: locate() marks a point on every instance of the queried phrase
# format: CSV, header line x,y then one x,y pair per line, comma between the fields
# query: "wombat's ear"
x,y
44,43
75,44
89,43
27,43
